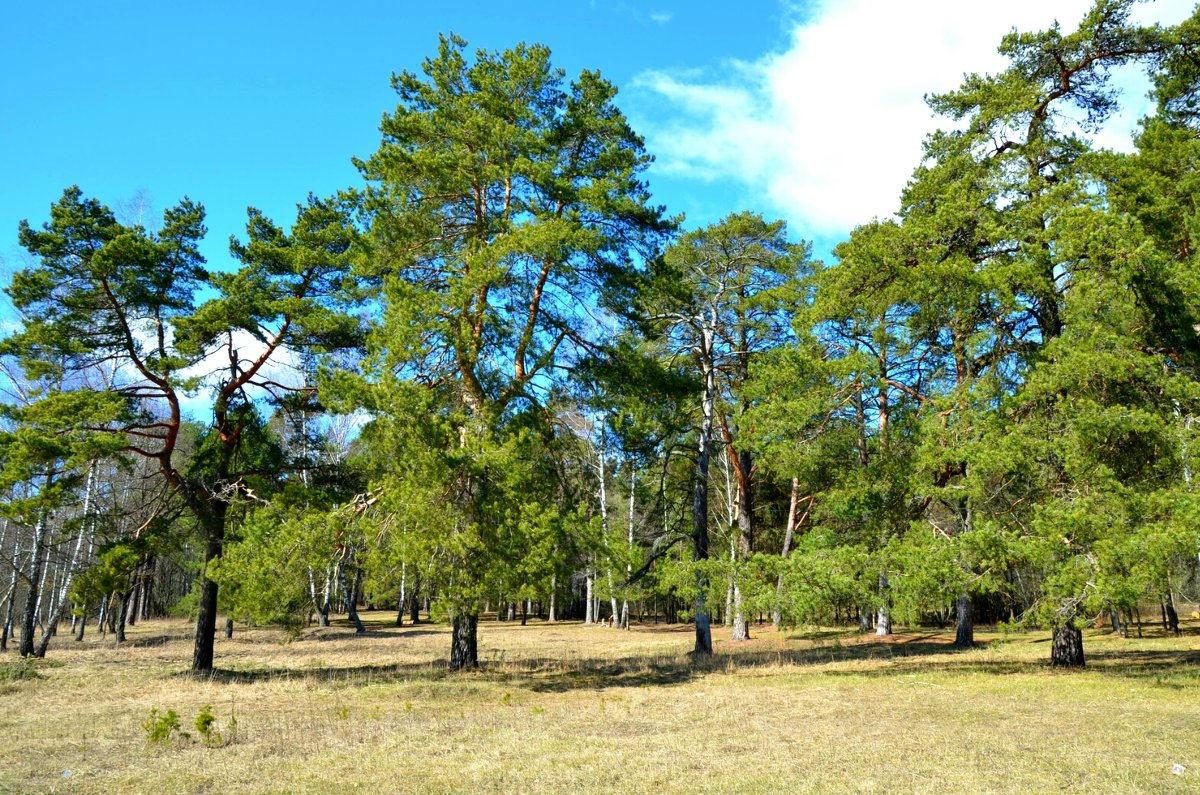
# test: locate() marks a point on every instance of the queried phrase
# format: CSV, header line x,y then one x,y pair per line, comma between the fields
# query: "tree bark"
x,y
1172,615
124,610
1066,649
964,636
700,503
403,595
32,598
414,604
51,630
629,549
213,522
11,597
132,602
589,616
320,604
81,623
788,533
883,621
464,649
744,539
349,595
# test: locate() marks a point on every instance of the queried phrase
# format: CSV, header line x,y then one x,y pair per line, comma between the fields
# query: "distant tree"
x,y
719,297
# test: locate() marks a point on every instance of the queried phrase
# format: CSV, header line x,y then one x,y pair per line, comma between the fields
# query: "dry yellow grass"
x,y
567,708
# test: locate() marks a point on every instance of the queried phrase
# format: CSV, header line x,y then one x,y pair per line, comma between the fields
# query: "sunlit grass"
x,y
565,708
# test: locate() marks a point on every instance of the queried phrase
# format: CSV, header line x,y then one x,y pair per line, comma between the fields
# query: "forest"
x,y
496,380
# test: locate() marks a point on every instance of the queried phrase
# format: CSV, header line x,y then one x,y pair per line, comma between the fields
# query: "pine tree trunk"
x,y
349,596
51,630
788,533
964,637
1066,649
601,471
727,617
144,604
464,649
213,522
113,610
403,595
228,628
120,628
1172,616
81,623
629,550
553,588
744,542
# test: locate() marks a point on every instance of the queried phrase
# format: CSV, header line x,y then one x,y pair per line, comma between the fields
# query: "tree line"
x,y
496,376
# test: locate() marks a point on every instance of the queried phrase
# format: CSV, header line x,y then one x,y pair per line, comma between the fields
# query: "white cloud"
x,y
283,368
661,17
829,130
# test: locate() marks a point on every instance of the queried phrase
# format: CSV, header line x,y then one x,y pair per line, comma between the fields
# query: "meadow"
x,y
570,708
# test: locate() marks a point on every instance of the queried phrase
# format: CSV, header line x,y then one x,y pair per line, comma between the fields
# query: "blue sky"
x,y
258,103
810,112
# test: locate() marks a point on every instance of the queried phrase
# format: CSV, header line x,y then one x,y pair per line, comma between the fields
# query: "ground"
x,y
568,708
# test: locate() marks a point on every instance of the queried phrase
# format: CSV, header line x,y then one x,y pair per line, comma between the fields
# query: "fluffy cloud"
x,y
828,131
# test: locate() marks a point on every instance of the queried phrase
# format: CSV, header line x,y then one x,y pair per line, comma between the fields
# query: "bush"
x,y
19,670
165,727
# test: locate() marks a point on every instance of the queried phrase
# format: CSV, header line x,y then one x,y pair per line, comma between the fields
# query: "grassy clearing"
x,y
562,707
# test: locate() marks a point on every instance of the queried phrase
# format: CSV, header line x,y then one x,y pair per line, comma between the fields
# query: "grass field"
x,y
567,708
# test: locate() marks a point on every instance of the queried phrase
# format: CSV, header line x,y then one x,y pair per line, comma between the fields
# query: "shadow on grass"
x,y
389,632
151,641
894,656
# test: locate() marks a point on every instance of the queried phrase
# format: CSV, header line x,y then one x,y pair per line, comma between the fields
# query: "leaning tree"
x,y
101,293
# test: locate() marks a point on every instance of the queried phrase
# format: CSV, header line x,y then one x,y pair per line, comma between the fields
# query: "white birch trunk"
x,y
589,616
629,550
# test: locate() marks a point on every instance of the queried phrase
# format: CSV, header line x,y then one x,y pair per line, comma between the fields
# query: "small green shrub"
x,y
19,670
163,728
205,721
210,735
